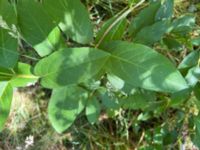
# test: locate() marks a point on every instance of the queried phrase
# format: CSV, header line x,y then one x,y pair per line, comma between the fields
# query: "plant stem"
x,y
125,14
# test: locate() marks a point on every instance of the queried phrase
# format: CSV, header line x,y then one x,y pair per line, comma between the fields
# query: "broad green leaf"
x,y
8,17
93,110
6,74
141,66
70,66
190,60
8,49
6,93
144,18
109,102
179,97
165,11
75,21
115,33
65,105
137,65
54,42
183,25
173,44
23,76
154,33
140,99
193,76
35,23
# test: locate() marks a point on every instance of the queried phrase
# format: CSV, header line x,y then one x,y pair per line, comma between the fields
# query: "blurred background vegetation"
x,y
28,126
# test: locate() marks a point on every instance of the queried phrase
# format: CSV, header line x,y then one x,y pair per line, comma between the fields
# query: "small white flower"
x,y
29,141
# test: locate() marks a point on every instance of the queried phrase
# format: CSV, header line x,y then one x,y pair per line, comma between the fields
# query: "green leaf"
x,y
115,82
115,33
183,25
23,76
65,105
53,42
190,60
179,97
70,66
193,76
196,41
34,22
165,11
6,74
137,65
6,93
144,18
8,49
197,91
8,17
75,21
141,66
173,44
140,99
93,110
109,102
154,33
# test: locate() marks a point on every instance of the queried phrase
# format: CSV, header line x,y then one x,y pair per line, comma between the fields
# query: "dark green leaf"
x,y
109,102
196,138
197,91
8,49
8,17
173,44
140,99
179,97
34,22
144,18
165,11
115,33
6,93
65,105
154,33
